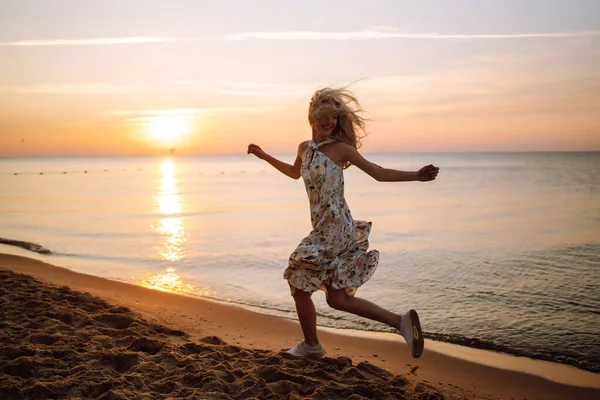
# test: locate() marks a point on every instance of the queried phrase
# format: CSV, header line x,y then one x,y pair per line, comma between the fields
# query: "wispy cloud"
x,y
137,115
89,42
253,85
240,88
236,92
248,88
168,112
84,88
366,34
391,33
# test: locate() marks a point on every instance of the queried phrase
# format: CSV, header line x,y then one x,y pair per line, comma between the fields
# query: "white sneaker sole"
x,y
414,325
306,355
309,355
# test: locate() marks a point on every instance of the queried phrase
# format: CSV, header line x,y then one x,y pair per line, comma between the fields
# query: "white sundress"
x,y
335,252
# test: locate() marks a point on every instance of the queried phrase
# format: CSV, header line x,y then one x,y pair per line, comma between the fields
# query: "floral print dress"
x,y
335,252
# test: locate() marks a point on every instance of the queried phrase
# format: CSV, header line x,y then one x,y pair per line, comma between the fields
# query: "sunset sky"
x,y
138,77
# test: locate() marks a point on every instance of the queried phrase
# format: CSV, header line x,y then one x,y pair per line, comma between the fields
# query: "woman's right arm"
x,y
293,171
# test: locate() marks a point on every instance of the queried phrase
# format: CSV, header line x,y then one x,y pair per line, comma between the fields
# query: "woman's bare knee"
x,y
337,299
300,295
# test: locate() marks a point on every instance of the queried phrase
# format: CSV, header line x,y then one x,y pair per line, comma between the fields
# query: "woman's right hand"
x,y
257,151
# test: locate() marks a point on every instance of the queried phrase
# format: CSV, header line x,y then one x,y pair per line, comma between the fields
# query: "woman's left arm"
x,y
350,154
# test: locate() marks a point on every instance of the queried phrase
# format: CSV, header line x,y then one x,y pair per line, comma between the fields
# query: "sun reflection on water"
x,y
168,198
172,228
174,233
168,282
172,282
169,203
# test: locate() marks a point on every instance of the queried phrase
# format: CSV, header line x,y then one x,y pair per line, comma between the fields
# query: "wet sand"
x,y
65,334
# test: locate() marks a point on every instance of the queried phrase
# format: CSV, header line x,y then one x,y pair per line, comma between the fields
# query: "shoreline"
x,y
552,371
555,372
450,367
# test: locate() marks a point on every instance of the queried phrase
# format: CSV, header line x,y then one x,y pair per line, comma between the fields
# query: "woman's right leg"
x,y
307,315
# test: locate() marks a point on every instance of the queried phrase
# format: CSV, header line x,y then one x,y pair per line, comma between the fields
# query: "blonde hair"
x,y
344,106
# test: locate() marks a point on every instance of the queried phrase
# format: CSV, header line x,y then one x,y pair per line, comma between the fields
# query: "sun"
x,y
169,130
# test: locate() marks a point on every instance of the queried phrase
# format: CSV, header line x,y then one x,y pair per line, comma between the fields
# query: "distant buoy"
x,y
105,170
64,172
16,173
41,173
85,172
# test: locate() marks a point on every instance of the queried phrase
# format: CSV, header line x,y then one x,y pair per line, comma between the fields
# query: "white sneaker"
x,y
305,350
410,329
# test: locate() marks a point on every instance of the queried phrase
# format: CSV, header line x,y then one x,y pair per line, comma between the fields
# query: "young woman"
x,y
334,257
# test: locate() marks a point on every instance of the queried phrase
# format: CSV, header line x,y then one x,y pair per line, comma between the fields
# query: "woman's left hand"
x,y
428,173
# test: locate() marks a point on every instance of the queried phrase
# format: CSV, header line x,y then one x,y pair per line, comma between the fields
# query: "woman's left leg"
x,y
340,300
408,325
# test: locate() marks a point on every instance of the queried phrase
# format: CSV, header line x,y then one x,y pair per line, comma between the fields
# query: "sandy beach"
x,y
71,335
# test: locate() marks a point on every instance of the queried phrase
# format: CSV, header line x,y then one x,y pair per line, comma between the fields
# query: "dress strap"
x,y
326,141
313,147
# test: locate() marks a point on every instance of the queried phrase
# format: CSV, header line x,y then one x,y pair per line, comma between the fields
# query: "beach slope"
x,y
65,334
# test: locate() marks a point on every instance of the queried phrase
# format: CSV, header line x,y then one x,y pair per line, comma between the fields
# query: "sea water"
x,y
501,252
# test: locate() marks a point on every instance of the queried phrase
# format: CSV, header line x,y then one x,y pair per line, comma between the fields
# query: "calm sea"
x,y
501,252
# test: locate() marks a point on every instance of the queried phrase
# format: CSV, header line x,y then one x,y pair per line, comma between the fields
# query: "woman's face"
x,y
324,126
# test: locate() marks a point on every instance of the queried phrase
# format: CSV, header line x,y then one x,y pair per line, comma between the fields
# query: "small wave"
x,y
589,365
37,248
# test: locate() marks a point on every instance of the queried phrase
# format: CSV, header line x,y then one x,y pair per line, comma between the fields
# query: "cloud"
x,y
84,88
391,33
157,113
253,85
366,34
236,92
89,42
262,90
137,115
